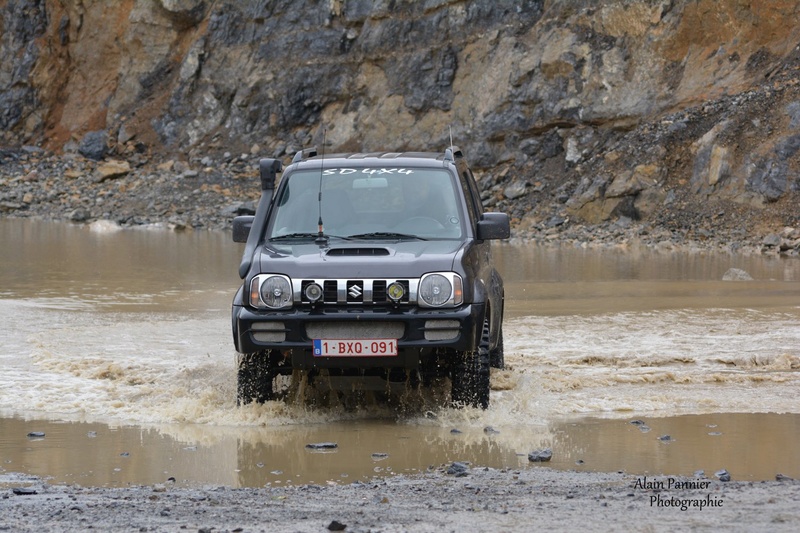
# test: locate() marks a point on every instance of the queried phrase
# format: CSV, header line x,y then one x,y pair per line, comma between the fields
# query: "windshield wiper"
x,y
290,236
300,236
386,235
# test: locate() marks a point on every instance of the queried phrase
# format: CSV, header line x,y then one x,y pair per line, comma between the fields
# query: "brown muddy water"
x,y
116,345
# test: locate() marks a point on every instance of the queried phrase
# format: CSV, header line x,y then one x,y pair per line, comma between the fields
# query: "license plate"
x,y
355,348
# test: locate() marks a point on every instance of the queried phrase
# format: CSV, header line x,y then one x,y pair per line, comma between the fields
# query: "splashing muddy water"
x,y
116,344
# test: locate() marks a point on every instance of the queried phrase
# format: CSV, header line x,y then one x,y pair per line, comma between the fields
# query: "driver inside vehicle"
x,y
429,209
420,198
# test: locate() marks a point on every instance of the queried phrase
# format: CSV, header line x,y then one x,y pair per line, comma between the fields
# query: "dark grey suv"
x,y
369,271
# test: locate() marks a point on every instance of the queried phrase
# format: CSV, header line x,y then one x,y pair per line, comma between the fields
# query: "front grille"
x,y
379,291
356,291
330,291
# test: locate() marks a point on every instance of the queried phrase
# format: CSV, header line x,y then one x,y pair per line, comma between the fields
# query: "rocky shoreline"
x,y
135,189
479,499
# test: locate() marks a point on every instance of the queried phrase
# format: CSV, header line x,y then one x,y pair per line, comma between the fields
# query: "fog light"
x,y
395,292
269,331
442,330
313,292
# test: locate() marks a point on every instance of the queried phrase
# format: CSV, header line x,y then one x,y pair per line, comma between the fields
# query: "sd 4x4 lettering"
x,y
369,270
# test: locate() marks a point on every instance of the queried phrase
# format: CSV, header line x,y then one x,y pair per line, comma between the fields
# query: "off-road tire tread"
x,y
471,375
254,378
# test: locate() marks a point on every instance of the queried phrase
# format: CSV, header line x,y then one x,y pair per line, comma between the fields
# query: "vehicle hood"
x,y
361,259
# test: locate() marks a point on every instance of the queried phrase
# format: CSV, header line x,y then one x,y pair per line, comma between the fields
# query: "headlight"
x,y
271,291
441,289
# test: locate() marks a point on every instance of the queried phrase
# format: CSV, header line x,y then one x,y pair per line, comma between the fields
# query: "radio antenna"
x,y
320,228
451,137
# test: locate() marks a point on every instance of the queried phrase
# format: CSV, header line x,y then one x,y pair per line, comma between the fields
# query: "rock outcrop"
x,y
685,113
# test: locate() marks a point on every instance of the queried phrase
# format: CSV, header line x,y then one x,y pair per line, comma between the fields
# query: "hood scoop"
x,y
357,252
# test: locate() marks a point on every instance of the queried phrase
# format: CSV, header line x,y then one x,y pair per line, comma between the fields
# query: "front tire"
x,y
470,377
255,377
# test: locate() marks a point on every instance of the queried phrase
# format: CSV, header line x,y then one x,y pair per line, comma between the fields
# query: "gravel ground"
x,y
536,498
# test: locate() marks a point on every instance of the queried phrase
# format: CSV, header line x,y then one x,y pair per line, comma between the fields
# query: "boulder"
x,y
112,169
94,145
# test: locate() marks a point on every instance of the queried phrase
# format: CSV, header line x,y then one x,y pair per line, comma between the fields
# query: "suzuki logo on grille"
x,y
354,291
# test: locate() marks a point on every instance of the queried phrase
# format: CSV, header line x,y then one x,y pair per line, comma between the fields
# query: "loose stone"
x,y
458,469
540,456
322,446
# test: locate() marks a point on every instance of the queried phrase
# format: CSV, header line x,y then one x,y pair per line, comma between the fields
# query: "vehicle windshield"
x,y
368,203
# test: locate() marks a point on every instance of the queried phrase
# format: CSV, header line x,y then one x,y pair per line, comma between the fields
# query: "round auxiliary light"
x,y
395,291
313,292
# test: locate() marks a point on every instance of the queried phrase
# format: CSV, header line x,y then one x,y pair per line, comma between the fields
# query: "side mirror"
x,y
241,227
494,226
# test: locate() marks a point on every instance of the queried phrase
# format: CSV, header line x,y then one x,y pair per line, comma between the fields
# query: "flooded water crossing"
x,y
116,345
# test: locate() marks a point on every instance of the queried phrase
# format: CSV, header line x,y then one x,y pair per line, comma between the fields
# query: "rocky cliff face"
x,y
682,112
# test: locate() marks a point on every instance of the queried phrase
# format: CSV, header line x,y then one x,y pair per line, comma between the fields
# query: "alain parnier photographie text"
x,y
684,504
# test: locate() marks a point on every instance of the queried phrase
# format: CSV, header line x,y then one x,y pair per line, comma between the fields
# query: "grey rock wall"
x,y
569,109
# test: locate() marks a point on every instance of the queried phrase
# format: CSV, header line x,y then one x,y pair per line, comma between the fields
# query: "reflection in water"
x,y
102,325
572,264
750,446
112,456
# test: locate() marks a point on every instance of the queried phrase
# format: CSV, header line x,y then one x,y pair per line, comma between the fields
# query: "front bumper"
x,y
417,331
